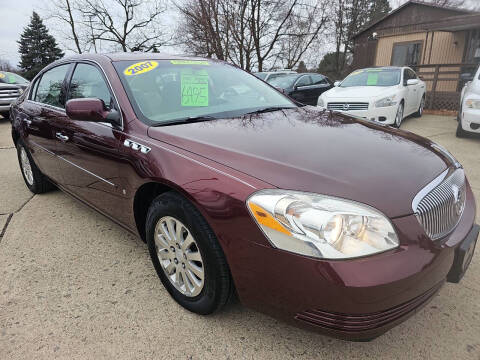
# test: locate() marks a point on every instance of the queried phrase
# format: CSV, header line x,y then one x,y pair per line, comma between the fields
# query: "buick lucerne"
x,y
330,222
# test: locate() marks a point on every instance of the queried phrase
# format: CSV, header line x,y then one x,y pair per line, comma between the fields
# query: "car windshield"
x,y
372,77
282,81
163,91
11,78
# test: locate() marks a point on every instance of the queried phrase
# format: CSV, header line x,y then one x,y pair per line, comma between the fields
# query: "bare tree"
x,y
309,19
64,11
131,25
251,32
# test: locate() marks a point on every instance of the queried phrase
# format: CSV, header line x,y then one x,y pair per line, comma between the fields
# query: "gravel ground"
x,y
75,285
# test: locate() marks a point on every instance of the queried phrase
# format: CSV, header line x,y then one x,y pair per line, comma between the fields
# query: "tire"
x,y
5,115
419,112
36,182
460,132
217,286
399,116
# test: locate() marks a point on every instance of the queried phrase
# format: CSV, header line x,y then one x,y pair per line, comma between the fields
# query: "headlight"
x,y
472,104
320,102
386,101
321,226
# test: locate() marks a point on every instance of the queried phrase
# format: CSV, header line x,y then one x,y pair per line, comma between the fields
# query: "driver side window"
x,y
88,82
304,81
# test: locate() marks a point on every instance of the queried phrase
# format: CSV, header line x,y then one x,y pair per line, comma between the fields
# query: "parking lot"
x,y
75,285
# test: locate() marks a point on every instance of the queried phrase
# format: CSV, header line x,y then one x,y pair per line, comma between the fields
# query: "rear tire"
x,y
5,115
172,261
36,182
419,112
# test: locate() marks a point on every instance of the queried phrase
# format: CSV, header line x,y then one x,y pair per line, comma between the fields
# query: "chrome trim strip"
x,y
41,147
71,163
432,185
88,172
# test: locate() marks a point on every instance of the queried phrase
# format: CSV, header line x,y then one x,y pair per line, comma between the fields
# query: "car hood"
x,y
359,91
313,150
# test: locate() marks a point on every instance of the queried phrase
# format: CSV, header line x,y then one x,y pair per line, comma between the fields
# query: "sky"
x,y
15,15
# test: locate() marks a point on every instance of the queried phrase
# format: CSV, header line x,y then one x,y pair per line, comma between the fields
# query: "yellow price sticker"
x,y
140,68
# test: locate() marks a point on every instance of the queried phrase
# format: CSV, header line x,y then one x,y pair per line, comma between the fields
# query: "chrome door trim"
x,y
85,170
73,164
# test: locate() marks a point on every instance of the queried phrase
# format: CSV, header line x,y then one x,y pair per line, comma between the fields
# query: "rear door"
x,y
302,90
320,84
42,111
88,151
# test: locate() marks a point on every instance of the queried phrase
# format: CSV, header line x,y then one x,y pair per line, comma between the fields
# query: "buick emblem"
x,y
458,199
346,107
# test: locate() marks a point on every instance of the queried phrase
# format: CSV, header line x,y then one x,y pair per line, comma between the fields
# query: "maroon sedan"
x,y
321,219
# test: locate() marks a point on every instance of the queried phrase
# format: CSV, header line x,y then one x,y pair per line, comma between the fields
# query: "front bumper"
x,y
5,104
350,299
383,115
471,120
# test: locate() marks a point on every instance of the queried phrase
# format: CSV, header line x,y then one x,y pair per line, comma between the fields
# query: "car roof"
x,y
122,56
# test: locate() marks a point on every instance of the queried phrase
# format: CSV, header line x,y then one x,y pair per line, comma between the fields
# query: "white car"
x,y
469,114
385,94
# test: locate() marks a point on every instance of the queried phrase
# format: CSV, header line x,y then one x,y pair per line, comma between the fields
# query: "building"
x,y
441,43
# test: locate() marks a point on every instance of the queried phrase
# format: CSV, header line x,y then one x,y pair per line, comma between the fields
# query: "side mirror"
x,y
89,109
336,83
467,76
412,82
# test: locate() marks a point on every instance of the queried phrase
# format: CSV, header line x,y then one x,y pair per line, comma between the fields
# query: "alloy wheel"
x,y
399,116
26,166
179,256
422,105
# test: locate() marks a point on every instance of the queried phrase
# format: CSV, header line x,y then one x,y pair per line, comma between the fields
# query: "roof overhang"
x,y
454,23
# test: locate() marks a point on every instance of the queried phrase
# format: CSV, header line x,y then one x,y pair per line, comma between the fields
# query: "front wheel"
x,y
460,132
399,116
36,182
186,255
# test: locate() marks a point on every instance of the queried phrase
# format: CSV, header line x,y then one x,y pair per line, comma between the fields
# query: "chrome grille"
x,y
347,106
440,205
9,92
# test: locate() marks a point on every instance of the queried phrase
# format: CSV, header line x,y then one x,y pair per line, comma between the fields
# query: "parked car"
x,y
331,222
269,75
303,87
469,113
385,94
11,87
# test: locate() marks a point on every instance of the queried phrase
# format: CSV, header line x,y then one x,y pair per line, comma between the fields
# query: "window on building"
x,y
406,53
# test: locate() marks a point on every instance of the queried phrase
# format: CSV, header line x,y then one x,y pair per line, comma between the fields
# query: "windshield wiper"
x,y
268,109
187,120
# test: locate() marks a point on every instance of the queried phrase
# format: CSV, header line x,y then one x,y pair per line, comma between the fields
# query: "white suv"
x,y
469,114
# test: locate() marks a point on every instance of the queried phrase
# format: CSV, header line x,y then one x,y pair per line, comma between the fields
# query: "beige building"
x,y
442,44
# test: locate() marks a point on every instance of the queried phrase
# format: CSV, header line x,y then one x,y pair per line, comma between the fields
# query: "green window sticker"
x,y
194,89
372,79
189,62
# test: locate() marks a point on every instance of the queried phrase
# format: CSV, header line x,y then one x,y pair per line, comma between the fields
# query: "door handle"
x,y
61,137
